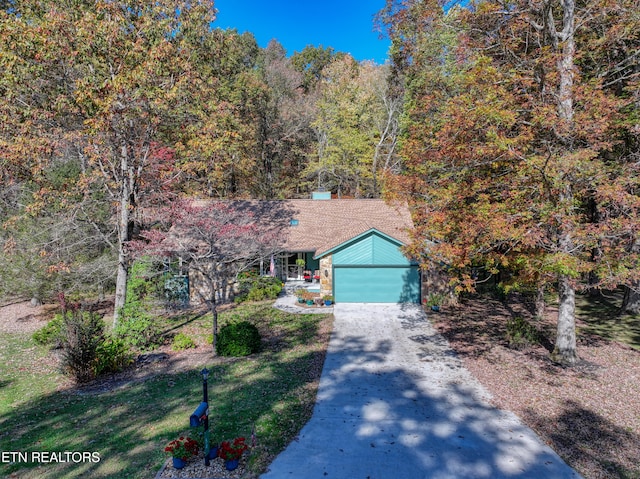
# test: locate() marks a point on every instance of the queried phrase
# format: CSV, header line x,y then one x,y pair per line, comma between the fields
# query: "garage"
x,y
371,268
377,284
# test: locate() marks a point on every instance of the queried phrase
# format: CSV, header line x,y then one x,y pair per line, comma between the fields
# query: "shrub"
x,y
138,329
113,355
51,334
82,333
181,342
259,288
136,326
520,333
238,339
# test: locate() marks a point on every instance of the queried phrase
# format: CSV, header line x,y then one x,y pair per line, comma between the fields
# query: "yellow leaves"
x,y
60,267
9,245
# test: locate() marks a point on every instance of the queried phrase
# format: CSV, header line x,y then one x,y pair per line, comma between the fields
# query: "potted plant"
x,y
328,299
181,449
231,452
309,298
300,264
434,301
300,294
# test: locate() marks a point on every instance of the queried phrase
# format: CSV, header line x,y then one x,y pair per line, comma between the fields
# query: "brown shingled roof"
x,y
325,224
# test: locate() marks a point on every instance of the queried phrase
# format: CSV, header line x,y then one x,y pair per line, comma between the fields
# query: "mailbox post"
x,y
201,415
205,399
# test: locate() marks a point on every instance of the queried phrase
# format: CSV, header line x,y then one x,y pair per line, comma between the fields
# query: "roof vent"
x,y
321,195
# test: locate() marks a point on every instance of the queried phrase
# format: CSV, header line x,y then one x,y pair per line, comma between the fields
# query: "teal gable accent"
x,y
370,248
371,268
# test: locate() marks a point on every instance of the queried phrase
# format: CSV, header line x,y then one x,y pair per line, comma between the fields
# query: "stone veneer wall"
x,y
326,280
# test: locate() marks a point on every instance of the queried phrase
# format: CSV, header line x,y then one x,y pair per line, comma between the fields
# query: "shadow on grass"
x,y
591,442
601,316
130,426
486,318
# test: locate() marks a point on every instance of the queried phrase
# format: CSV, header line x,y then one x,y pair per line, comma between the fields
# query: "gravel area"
x,y
196,469
589,414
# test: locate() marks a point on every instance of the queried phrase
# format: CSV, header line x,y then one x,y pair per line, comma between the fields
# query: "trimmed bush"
x,y
181,341
238,339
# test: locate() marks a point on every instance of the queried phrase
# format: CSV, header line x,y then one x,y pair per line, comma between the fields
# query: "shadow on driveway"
x,y
395,402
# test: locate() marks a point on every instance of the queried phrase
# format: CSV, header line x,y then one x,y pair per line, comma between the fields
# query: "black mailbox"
x,y
199,415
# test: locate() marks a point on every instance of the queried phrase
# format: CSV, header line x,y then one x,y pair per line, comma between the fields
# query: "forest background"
x,y
510,127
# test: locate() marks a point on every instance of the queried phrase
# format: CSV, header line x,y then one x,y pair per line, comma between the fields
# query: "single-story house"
x,y
351,247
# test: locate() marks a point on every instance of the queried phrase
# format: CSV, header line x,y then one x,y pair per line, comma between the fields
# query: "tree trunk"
x,y
123,235
566,64
631,300
214,327
539,301
565,348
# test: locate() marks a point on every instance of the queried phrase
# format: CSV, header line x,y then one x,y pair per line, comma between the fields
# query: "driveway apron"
x,y
394,402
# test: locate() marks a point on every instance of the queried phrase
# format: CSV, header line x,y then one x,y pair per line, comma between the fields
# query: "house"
x,y
354,246
351,247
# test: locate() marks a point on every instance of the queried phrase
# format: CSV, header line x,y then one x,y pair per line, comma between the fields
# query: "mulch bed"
x,y
589,414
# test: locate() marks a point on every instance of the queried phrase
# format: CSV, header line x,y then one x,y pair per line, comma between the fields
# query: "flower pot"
x,y
300,300
178,462
435,308
309,302
232,464
213,452
327,303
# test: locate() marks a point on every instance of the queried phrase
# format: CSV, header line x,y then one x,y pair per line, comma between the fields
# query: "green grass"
x,y
130,425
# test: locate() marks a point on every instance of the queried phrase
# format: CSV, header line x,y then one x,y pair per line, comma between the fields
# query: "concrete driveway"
x,y
395,403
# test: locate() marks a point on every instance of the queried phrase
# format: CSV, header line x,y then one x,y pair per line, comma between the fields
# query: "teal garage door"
x,y
376,284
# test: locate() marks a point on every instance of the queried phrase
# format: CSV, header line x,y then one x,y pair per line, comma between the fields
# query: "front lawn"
x,y
128,423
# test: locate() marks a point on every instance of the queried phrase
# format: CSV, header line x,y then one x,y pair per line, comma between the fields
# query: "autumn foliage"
x,y
519,144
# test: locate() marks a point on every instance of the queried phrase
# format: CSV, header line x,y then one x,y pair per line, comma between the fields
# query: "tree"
x,y
218,240
218,148
507,143
284,122
311,62
356,127
108,85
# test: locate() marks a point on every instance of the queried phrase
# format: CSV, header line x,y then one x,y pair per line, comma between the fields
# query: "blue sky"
x,y
345,25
